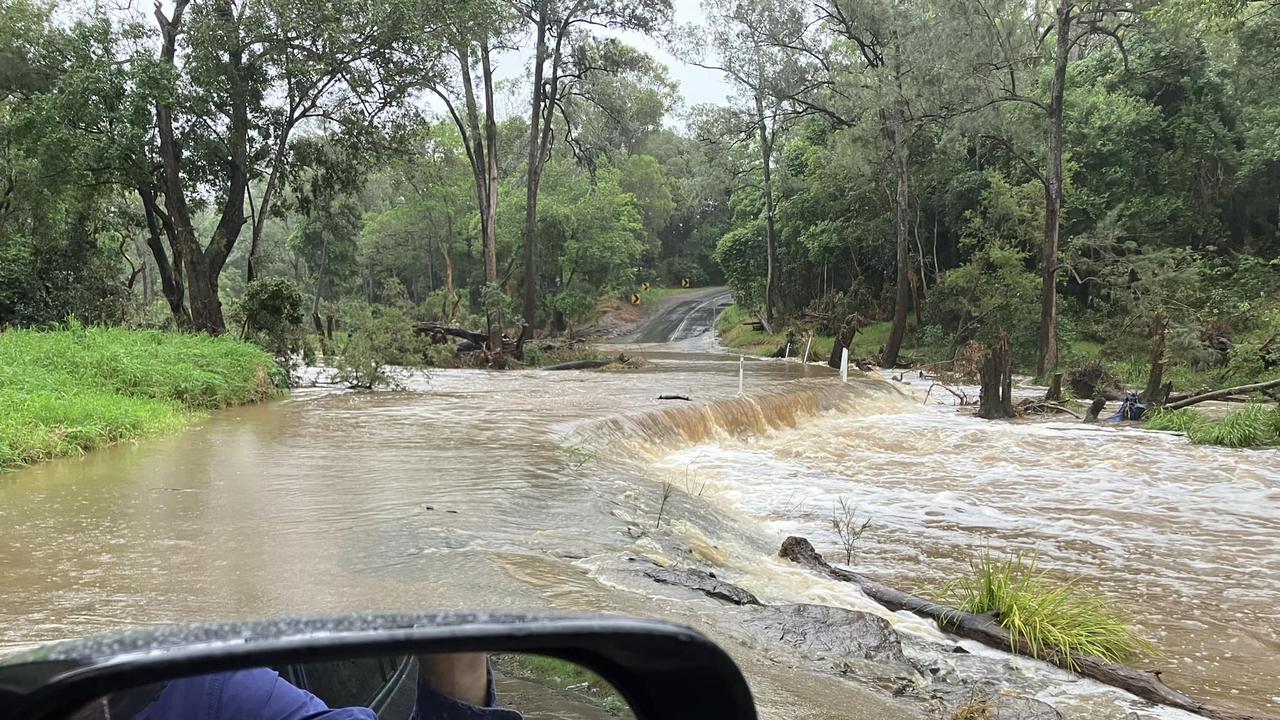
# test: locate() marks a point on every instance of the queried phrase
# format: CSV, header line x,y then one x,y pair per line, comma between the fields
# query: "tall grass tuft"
x,y
1046,615
67,391
1177,420
1252,427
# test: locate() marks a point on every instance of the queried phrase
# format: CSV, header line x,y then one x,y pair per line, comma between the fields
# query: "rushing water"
x,y
535,489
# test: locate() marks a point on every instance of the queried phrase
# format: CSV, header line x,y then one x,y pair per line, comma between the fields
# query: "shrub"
x,y
272,309
993,294
1045,614
834,307
1252,427
1178,420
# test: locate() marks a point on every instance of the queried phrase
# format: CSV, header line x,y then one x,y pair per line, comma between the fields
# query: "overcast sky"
x,y
697,85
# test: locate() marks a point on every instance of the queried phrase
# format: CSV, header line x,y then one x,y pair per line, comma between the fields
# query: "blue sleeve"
x,y
261,694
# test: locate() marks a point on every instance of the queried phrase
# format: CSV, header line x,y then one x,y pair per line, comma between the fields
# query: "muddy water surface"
x,y
536,489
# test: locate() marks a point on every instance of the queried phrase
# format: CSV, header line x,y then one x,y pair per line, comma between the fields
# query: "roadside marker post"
x,y
742,364
844,365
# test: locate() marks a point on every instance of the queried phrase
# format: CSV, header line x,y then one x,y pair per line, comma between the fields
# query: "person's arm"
x,y
457,686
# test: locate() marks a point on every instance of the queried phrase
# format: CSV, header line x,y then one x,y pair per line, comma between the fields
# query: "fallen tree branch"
x,y
1042,405
964,399
764,324
984,628
431,328
579,365
1225,392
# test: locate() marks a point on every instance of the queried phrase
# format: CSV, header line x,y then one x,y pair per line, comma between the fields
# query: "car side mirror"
x,y
389,667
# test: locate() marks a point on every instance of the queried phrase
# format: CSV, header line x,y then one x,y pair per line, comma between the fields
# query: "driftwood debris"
x,y
1044,407
580,365
431,328
675,397
962,396
1261,387
984,629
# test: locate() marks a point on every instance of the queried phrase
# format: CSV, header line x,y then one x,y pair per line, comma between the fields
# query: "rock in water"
x,y
1014,707
831,630
703,583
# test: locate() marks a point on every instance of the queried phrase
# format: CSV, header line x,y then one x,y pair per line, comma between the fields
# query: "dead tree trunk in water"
x,y
844,339
1055,389
997,382
1153,393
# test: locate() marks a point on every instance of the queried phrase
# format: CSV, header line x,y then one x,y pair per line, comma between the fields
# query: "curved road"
x,y
687,316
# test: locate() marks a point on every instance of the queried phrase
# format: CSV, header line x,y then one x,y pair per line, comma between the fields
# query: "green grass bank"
x,y
736,333
63,392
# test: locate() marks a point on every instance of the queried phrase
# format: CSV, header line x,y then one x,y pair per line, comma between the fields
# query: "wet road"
x,y
691,316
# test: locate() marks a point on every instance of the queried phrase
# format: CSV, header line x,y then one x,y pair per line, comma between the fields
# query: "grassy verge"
x,y
736,333
1046,614
68,391
564,676
1254,426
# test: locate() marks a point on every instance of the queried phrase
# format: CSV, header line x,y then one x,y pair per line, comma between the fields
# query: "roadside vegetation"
x,y
1254,426
563,676
1046,614
78,388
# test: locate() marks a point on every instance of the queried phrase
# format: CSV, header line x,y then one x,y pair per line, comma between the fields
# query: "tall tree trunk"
x,y
530,310
1155,378
320,276
264,205
445,245
771,237
902,299
1047,344
202,266
491,190
481,143
170,273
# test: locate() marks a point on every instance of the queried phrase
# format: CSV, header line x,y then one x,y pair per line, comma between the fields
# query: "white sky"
x,y
696,85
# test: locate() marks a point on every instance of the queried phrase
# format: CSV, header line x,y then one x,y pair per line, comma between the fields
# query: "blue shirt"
x,y
261,694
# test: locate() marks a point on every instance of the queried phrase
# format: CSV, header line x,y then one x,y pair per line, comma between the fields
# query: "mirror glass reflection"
x,y
453,686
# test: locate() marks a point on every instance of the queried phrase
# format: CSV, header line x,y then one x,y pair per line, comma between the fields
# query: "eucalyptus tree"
x,y
1013,44
743,41
473,33
566,55
884,65
233,82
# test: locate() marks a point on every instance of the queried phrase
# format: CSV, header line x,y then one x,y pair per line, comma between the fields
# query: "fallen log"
x,y
579,365
764,323
984,629
431,328
1261,387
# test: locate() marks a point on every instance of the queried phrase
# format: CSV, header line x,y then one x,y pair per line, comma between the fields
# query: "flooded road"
x,y
536,490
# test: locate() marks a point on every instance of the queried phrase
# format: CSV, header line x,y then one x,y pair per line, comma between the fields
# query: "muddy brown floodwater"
x,y
533,489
